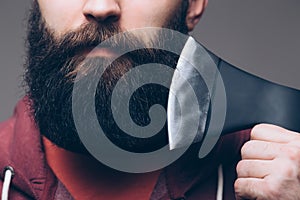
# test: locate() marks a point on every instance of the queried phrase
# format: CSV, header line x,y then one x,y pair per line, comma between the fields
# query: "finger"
x,y
272,133
261,150
254,168
249,188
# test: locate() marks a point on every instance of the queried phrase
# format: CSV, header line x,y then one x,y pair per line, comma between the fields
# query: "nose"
x,y
103,11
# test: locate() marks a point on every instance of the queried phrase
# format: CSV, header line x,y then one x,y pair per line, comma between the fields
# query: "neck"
x,y
86,178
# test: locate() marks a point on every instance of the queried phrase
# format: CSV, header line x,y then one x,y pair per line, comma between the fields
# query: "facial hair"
x,y
51,68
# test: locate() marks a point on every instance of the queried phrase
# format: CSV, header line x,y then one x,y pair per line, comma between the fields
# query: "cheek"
x,y
65,15
148,13
62,15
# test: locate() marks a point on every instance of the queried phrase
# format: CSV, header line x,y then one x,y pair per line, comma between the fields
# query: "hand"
x,y
270,165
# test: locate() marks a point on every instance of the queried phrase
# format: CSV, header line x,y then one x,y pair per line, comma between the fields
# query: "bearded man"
x,y
40,145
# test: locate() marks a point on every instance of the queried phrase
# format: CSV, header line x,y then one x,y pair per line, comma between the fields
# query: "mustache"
x,y
87,36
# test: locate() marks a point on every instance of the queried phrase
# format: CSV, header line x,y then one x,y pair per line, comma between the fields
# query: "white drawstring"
x,y
220,183
8,175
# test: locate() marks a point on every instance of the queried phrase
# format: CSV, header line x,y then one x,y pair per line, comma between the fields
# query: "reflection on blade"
x,y
189,97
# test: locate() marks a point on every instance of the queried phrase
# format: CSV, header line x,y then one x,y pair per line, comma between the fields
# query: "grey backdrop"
x,y
261,37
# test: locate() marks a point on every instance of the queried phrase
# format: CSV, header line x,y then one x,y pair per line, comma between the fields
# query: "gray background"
x,y
261,37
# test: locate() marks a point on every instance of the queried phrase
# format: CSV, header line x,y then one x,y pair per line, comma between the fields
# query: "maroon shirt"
x,y
188,178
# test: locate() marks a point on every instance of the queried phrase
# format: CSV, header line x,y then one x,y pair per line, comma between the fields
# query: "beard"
x,y
51,68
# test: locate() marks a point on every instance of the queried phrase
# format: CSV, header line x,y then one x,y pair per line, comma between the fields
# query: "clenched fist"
x,y
270,165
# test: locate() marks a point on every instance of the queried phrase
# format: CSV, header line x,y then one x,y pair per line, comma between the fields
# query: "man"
x,y
41,146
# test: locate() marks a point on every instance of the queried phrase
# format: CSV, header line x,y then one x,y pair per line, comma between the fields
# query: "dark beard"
x,y
52,66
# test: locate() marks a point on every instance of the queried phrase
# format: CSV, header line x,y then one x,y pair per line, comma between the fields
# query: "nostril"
x,y
112,18
90,17
104,20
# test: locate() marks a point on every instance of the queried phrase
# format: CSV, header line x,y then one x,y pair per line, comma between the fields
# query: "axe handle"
x,y
252,100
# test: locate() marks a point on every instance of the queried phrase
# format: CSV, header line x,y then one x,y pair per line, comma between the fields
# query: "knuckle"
x,y
272,191
293,153
240,167
237,186
288,171
245,148
257,129
296,141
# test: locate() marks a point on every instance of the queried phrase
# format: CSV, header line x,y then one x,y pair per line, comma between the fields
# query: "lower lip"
x,y
101,52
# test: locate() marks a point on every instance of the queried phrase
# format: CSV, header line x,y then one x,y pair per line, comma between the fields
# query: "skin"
x,y
128,14
270,163
83,176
